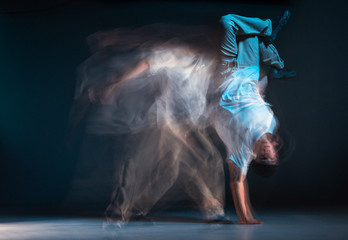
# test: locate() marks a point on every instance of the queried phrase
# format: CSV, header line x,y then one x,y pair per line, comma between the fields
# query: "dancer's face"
x,y
266,152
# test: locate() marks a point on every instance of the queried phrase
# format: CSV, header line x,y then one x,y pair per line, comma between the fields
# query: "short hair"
x,y
263,170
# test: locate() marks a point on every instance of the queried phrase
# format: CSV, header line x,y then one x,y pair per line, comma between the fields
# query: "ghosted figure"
x,y
166,89
152,86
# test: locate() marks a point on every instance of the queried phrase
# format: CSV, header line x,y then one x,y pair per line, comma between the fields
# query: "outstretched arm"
x,y
105,95
240,194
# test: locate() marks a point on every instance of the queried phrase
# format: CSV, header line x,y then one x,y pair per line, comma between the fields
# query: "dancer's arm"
x,y
240,194
141,67
262,84
107,93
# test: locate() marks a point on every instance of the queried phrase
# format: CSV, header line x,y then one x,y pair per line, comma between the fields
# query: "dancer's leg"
x,y
238,25
201,174
248,52
272,65
269,56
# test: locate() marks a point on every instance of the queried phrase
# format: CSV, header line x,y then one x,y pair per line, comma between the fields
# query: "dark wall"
x,y
42,45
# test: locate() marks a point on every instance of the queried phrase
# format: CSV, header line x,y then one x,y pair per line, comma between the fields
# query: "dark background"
x,y
43,42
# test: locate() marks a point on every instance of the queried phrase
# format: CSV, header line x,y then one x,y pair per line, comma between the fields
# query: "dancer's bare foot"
x,y
280,74
282,22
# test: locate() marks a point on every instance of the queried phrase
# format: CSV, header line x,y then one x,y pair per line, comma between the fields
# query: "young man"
x,y
179,146
245,123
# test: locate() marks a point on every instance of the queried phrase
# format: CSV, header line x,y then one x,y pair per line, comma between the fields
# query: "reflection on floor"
x,y
305,224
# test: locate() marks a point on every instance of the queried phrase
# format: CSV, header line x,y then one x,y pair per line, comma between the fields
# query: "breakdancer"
x,y
243,119
245,123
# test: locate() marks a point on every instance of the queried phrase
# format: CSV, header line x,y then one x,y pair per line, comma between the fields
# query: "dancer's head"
x,y
266,150
266,160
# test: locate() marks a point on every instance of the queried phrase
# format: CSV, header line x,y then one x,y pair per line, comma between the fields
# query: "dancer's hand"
x,y
250,221
92,95
99,94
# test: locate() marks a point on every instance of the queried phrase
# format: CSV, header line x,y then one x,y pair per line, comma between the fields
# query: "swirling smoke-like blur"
x,y
156,86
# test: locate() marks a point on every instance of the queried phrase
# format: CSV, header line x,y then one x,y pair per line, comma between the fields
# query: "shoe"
x,y
280,74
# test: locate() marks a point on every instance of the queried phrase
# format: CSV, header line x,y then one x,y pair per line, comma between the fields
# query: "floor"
x,y
281,224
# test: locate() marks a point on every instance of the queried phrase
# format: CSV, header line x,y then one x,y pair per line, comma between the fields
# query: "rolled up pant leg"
x,y
269,56
238,25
